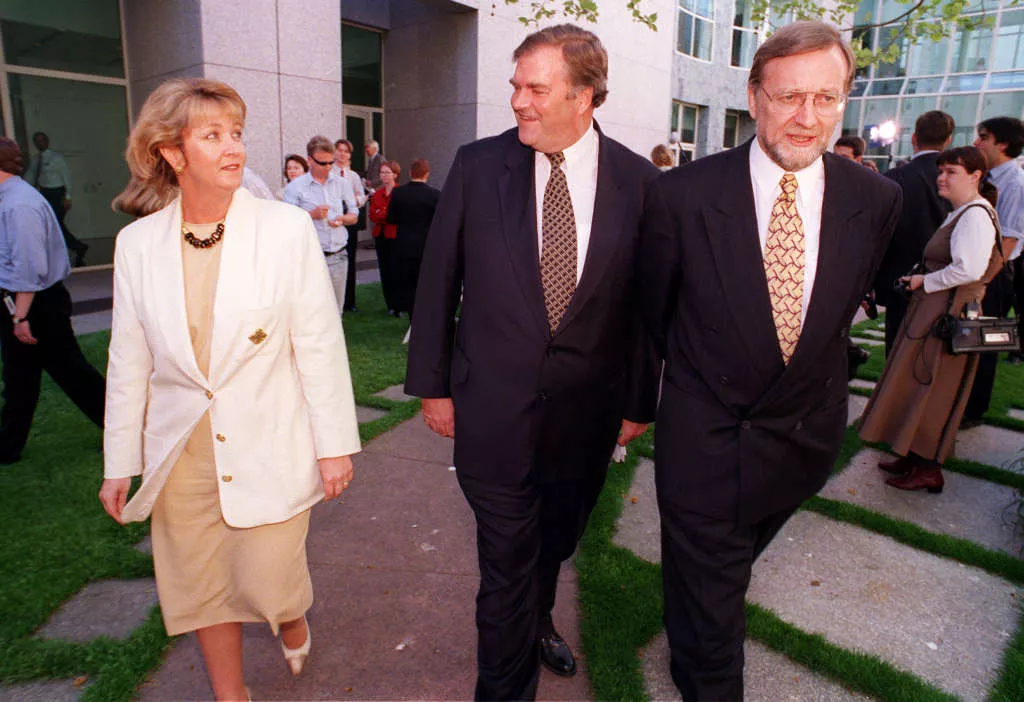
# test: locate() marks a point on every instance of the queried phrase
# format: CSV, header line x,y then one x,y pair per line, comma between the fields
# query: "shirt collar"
x,y
766,173
584,150
924,153
1002,169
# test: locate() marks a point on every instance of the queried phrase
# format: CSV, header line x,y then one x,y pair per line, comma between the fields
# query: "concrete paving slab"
x,y
867,341
863,384
395,577
103,608
415,441
91,322
968,508
993,446
855,408
43,691
1014,413
396,393
768,676
639,526
369,414
941,620
873,333
145,546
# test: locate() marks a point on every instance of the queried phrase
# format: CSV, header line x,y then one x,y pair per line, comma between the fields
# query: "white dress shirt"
x,y
336,192
580,168
765,175
355,181
48,169
970,246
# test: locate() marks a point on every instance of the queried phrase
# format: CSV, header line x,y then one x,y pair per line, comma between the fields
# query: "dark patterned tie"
x,y
784,266
558,252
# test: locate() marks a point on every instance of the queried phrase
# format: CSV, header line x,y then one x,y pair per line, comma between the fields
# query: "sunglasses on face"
x,y
322,163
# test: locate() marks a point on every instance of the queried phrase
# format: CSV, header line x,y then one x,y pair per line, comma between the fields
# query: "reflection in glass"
x,y
912,108
959,84
702,39
928,58
1013,79
1003,104
923,85
971,49
744,44
684,42
360,67
896,68
963,109
851,117
887,87
83,36
858,88
1009,51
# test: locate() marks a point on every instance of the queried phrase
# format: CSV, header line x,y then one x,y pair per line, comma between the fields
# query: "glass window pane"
x,y
360,67
962,84
741,17
887,87
912,108
1009,52
702,39
858,88
1013,79
1003,104
963,109
684,42
923,85
705,8
928,58
732,122
876,112
851,117
899,66
971,49
83,36
744,44
689,131
86,124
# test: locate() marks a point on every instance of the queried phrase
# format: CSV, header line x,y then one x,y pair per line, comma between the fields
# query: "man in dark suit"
x,y
411,210
923,212
548,368
753,262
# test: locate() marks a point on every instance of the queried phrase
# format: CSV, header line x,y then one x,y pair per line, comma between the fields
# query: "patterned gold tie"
x,y
558,241
784,266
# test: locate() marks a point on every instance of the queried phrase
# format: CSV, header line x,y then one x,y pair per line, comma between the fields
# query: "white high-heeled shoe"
x,y
296,657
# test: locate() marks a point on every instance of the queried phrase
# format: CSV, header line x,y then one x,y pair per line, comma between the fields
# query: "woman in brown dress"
x,y
228,386
919,401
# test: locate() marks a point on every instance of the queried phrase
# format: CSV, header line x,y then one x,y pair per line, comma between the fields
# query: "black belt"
x,y
334,253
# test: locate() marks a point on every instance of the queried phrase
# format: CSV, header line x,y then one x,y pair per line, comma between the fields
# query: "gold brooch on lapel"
x,y
258,336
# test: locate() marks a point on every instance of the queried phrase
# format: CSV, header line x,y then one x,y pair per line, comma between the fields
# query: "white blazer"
x,y
279,391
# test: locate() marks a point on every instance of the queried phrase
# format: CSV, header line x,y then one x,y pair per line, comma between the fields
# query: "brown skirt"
x,y
210,573
921,396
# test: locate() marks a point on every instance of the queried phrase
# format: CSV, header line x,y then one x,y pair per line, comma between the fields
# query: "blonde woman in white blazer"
x,y
228,386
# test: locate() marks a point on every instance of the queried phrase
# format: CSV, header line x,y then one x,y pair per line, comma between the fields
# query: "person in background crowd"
x,y
411,210
923,212
294,166
50,174
384,234
35,320
331,203
752,263
661,156
870,165
343,163
374,159
851,147
238,410
919,400
1001,139
550,367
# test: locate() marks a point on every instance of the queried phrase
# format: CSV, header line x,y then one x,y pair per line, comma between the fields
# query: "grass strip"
x,y
859,671
967,552
1010,685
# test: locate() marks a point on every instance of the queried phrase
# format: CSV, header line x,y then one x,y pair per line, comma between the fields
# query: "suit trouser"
x,y
56,197
350,279
385,264
706,566
58,354
524,532
996,303
895,311
337,266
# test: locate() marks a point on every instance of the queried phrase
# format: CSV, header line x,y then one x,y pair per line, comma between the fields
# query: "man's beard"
x,y
793,159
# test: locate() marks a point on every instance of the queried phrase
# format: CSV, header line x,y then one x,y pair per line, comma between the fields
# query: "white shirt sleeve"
x,y
971,248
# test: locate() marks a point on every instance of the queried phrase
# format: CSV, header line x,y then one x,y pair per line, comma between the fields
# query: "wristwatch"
x,y
17,320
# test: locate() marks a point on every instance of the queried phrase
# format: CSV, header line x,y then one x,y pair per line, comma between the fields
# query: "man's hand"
x,y
67,204
23,333
319,212
114,496
439,414
629,431
335,473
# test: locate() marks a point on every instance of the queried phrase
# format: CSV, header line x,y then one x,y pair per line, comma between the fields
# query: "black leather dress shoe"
x,y
556,655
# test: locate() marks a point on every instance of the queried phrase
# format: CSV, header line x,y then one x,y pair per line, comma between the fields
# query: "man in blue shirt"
x,y
50,175
331,203
1001,139
35,319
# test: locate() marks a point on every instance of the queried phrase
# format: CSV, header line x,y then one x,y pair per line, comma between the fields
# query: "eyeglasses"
x,y
322,163
789,101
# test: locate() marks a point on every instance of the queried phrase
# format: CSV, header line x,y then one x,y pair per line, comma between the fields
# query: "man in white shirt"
x,y
343,165
749,292
49,173
331,203
549,367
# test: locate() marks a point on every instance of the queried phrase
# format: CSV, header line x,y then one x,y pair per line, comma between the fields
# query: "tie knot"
x,y
788,184
557,159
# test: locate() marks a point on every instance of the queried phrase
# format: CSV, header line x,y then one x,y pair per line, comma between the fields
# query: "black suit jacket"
x,y
923,212
412,210
528,403
740,434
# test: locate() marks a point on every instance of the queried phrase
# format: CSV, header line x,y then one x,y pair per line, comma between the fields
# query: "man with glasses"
x,y
331,203
753,262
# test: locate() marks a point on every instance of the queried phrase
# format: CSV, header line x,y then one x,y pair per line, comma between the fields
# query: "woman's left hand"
x,y
335,473
915,282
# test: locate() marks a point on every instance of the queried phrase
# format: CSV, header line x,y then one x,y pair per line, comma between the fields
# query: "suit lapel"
x,y
731,227
519,224
605,230
169,279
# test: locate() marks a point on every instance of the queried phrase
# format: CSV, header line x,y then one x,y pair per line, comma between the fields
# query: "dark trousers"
x,y
706,566
58,354
350,281
996,303
1018,294
406,270
895,311
56,197
524,532
385,264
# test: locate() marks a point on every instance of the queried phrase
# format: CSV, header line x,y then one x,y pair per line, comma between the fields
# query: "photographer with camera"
x,y
921,396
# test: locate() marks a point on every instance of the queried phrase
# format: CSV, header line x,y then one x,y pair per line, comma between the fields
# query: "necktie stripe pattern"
x,y
784,266
558,237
